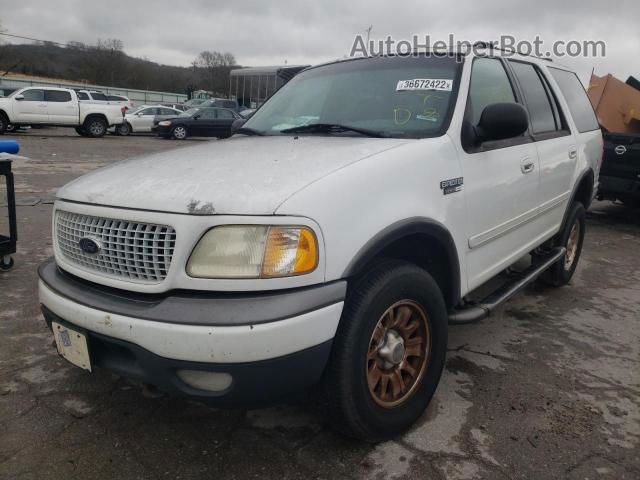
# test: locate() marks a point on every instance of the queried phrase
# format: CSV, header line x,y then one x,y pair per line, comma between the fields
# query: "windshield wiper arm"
x,y
332,127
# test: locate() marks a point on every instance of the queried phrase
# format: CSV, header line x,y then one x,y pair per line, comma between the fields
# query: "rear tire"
x,y
394,302
95,127
571,237
123,129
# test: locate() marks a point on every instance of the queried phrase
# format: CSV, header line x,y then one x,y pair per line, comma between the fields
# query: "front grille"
x,y
134,251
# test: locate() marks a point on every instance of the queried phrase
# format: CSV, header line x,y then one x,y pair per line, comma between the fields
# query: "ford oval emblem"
x,y
89,245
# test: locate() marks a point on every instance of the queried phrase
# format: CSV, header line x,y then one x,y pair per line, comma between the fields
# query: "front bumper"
x,y
614,188
270,343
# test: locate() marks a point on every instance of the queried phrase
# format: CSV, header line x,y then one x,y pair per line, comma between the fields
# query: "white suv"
x,y
332,239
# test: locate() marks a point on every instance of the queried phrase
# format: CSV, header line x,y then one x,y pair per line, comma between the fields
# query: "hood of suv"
x,y
241,175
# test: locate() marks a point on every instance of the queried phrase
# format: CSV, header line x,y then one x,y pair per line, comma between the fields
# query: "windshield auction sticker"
x,y
425,84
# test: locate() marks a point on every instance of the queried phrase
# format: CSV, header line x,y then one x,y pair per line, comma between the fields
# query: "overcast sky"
x,y
262,32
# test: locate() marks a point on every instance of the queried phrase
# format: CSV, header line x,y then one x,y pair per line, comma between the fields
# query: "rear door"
x,y
501,181
61,107
224,120
555,144
32,108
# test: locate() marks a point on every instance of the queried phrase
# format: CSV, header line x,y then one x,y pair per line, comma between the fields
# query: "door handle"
x,y
573,153
527,165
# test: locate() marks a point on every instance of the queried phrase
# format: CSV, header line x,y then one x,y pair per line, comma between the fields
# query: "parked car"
x,y
92,96
5,92
247,113
43,106
194,102
333,238
198,122
120,100
222,103
177,106
141,120
620,171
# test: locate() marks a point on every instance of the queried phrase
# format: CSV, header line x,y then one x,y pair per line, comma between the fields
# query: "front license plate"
x,y
72,345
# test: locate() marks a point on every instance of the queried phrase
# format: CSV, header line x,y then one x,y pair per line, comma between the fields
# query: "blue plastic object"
x,y
9,146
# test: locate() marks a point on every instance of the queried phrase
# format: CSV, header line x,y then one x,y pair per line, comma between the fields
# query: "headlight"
x,y
164,123
254,251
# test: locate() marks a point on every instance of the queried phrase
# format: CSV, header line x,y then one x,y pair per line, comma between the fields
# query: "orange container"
x,y
617,105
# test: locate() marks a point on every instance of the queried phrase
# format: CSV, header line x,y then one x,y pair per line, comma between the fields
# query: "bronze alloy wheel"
x,y
572,246
399,353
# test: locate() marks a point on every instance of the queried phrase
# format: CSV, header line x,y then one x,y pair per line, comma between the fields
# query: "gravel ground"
x,y
548,387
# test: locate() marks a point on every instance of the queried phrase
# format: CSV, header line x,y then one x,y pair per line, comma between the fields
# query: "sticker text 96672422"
x,y
425,84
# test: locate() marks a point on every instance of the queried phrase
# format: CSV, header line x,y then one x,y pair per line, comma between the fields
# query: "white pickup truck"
x,y
57,107
333,238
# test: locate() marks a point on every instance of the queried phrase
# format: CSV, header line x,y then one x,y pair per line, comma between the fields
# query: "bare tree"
x,y
211,62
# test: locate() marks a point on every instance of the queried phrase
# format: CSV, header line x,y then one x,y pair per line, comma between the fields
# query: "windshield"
x,y
190,113
402,97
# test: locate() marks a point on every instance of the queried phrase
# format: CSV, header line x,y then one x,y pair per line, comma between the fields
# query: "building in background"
x,y
251,86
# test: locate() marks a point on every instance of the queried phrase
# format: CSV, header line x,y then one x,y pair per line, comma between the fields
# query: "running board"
x,y
484,308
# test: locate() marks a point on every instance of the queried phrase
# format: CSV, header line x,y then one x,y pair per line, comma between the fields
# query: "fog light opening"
x,y
202,380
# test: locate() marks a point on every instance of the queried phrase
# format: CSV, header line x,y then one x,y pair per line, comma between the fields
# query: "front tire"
x,y
179,132
571,237
4,123
95,127
388,354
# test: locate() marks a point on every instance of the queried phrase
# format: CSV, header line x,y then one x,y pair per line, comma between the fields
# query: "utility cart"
x,y
8,239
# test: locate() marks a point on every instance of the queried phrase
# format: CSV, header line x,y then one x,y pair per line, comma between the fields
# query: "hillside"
x,y
109,67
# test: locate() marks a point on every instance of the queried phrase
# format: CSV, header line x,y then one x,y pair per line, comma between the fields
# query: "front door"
x,y
501,181
142,121
205,124
32,108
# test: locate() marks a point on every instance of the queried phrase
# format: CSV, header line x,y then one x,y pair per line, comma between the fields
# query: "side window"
x,y
82,96
225,114
489,84
149,111
98,96
167,111
575,95
536,97
208,113
57,96
33,95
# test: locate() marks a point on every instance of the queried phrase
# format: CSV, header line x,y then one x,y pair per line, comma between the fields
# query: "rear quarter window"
x,y
576,97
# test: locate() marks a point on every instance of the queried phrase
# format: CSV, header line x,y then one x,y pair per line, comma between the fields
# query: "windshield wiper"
x,y
332,128
249,131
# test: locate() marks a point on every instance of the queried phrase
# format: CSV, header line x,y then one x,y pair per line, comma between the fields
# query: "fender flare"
x,y
405,228
574,192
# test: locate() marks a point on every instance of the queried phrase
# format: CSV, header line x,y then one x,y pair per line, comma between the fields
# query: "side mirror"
x,y
500,121
19,97
237,124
